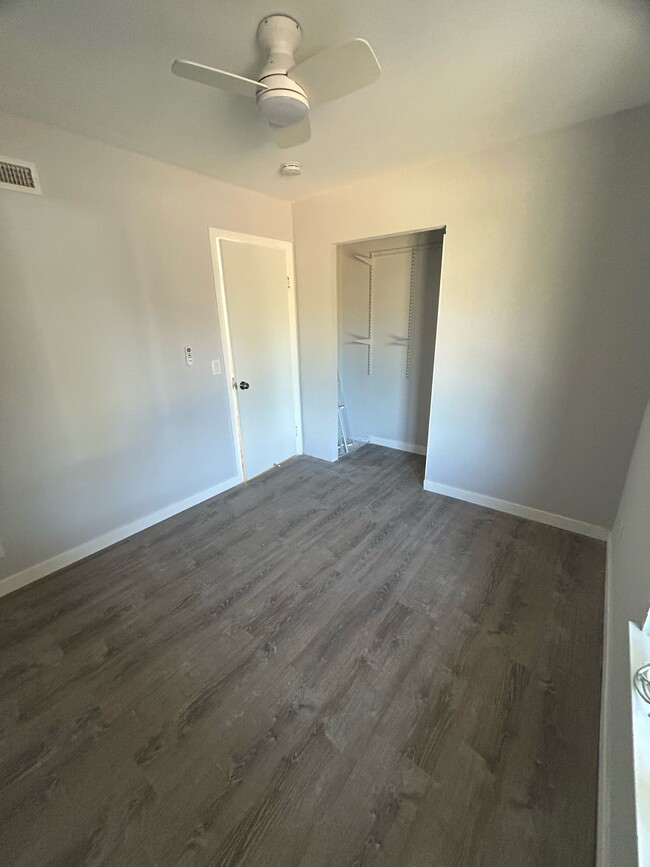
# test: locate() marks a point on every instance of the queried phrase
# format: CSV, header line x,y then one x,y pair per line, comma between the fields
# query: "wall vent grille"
x,y
19,175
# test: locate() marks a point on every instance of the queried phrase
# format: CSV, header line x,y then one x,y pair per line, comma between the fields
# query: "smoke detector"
x,y
290,169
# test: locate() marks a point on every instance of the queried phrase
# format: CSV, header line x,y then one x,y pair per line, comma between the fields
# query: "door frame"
x,y
216,236
335,288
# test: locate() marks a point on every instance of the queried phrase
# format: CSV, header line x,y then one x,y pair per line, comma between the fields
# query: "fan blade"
x,y
290,136
337,71
227,81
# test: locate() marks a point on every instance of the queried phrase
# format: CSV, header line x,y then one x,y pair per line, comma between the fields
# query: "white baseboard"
x,y
399,445
560,521
73,555
603,823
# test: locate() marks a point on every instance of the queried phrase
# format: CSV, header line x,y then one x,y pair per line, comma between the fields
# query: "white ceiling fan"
x,y
285,92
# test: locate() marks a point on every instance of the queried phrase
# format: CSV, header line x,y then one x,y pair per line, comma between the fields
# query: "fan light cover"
x,y
282,109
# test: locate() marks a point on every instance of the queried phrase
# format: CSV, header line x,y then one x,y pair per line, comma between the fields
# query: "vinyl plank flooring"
x,y
324,667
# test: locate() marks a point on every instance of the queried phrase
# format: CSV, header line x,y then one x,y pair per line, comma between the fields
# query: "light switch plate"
x,y
216,367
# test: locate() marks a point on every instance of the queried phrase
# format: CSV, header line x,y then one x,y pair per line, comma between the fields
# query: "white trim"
x,y
73,555
603,822
334,372
436,361
295,351
416,231
399,445
532,514
229,365
217,235
639,643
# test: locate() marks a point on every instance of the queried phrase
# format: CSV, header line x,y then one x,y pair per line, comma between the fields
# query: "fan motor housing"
x,y
280,35
284,103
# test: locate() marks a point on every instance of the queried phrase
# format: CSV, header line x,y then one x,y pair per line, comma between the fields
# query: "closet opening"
x,y
388,293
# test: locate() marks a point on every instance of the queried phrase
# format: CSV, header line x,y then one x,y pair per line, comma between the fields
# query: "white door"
x,y
263,355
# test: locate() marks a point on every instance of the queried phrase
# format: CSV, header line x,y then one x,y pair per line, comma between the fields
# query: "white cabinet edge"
x,y
639,655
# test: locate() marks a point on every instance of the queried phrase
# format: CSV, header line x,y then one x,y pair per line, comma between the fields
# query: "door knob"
x,y
244,385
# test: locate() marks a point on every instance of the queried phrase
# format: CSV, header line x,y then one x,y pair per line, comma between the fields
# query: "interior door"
x,y
256,293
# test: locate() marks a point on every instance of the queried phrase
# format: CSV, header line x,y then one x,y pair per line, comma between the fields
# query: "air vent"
x,y
19,175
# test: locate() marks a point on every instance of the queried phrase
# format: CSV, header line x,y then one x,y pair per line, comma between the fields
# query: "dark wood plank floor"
x,y
326,666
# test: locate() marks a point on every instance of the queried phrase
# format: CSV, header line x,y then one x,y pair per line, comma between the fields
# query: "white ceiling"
x,y
457,75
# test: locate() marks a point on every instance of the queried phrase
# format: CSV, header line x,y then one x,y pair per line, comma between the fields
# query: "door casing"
x,y
216,236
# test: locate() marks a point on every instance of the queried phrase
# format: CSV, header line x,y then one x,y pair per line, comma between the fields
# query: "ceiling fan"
x,y
285,91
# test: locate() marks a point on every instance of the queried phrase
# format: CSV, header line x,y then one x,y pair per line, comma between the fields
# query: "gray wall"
x,y
628,598
103,280
387,404
541,373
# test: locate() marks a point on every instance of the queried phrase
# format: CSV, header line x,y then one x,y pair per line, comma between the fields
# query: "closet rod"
x,y
390,250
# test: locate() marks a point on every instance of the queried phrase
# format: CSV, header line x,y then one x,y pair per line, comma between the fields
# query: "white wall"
x,y
103,280
541,371
386,404
628,598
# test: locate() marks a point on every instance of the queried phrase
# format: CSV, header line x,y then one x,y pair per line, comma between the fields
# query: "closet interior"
x,y
388,292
